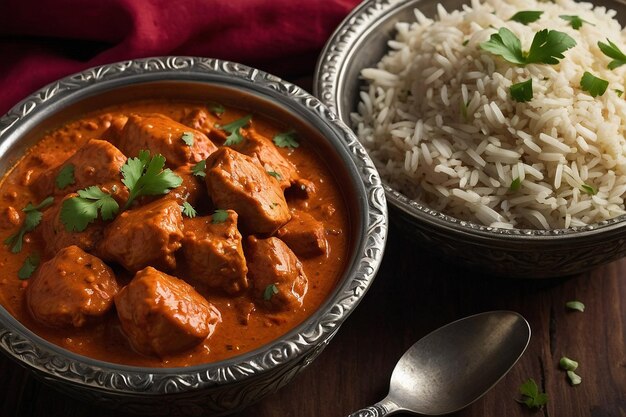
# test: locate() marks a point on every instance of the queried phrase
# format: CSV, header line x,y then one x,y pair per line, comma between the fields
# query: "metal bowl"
x,y
226,386
359,42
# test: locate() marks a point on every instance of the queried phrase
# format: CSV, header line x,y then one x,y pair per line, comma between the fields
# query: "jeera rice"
x,y
438,117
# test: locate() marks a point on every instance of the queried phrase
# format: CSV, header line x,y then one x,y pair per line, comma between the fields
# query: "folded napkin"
x,y
43,40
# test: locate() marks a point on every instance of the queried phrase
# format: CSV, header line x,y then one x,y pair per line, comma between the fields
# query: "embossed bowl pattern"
x,y
226,386
359,42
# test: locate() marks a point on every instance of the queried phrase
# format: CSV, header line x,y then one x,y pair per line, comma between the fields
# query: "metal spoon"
x,y
455,365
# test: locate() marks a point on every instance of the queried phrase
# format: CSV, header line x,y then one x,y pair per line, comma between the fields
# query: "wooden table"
x,y
413,294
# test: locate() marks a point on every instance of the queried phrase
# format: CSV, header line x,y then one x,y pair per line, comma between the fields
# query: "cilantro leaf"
x,y
575,305
219,216
574,21
505,44
145,176
531,395
548,47
188,138
286,139
275,175
270,291
217,109
619,92
32,220
65,177
199,169
522,92
612,51
515,184
188,210
234,129
595,87
589,189
79,211
28,267
526,17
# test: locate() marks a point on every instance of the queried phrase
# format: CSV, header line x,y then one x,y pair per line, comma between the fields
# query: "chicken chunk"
x,y
203,121
162,135
213,253
192,190
161,314
275,273
148,235
57,237
116,124
71,289
261,148
304,235
236,181
95,163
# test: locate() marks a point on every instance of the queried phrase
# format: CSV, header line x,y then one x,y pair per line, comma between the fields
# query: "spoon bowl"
x,y
455,365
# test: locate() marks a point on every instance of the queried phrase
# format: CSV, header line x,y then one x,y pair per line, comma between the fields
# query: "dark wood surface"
x,y
413,294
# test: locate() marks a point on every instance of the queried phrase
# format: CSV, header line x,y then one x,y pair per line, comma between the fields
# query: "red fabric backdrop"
x,y
43,40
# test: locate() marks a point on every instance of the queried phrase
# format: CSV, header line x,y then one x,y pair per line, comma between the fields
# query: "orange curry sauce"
x,y
245,324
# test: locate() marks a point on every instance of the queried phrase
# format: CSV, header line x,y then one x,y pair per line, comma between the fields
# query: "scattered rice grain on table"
x,y
438,119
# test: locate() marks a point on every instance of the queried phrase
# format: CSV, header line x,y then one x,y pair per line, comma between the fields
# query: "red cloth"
x,y
43,40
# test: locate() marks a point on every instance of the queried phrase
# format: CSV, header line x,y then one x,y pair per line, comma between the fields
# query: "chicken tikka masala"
x,y
168,233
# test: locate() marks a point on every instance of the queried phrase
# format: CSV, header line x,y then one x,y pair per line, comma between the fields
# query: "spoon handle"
x,y
373,411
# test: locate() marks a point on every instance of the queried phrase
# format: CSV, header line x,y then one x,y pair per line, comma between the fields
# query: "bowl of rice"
x,y
498,126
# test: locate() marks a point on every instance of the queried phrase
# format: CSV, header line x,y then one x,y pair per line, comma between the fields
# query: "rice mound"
x,y
438,119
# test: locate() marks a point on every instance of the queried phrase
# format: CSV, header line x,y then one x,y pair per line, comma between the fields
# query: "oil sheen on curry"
x,y
167,233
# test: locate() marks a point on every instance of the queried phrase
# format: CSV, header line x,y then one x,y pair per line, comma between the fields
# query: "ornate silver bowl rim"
x,y
372,18
60,364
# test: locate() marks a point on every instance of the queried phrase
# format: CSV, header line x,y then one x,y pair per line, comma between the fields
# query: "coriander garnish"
x,y
515,184
612,51
547,47
77,212
286,139
270,291
32,219
188,138
65,177
275,175
526,17
217,109
574,21
199,169
219,216
588,189
234,129
188,210
531,395
28,267
522,92
145,176
593,85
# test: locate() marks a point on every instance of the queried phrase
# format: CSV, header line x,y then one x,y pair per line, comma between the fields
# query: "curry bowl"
x,y
360,42
232,382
